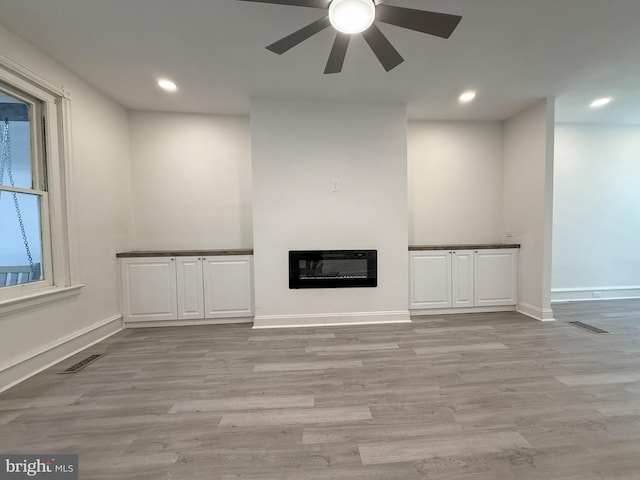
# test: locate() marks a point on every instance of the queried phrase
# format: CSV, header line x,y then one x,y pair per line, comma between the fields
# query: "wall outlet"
x,y
335,185
597,294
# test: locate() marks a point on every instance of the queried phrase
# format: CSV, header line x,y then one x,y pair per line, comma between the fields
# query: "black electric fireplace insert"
x,y
333,268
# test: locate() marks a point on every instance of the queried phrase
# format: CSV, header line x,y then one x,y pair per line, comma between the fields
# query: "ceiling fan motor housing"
x,y
352,16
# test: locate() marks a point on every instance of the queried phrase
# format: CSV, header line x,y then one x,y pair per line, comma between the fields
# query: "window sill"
x,y
36,299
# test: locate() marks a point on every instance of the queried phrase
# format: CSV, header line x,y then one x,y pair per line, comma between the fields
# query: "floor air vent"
x,y
589,328
83,363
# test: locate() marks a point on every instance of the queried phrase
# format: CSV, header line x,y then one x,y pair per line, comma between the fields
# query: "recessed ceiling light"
x,y
167,85
468,96
352,16
600,102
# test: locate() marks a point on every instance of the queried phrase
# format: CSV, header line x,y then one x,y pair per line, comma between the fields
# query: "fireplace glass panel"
x,y
332,268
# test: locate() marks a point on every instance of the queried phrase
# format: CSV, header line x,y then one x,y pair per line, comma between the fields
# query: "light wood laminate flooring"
x,y
465,397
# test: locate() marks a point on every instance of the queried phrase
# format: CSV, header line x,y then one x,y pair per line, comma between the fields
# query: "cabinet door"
x,y
462,278
495,277
430,279
190,288
228,286
149,289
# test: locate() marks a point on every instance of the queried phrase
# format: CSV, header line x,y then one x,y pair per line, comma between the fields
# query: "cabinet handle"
x,y
173,259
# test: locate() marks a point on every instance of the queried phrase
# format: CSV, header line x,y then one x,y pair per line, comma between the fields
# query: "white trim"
x,y
32,76
601,299
580,294
72,252
19,369
450,311
589,289
26,191
330,319
188,323
51,294
545,315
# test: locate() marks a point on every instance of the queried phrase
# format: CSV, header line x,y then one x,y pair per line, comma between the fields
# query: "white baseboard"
x,y
545,315
451,311
19,369
330,319
188,323
581,294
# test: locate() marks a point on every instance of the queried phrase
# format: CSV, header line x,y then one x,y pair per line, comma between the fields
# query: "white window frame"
x,y
59,255
38,189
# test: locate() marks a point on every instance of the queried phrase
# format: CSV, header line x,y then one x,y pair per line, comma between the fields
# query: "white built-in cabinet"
x,y
442,279
190,288
430,279
496,274
149,289
187,288
462,278
228,287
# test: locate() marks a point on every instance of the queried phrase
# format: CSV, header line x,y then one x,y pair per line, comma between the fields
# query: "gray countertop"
x,y
184,253
458,246
248,251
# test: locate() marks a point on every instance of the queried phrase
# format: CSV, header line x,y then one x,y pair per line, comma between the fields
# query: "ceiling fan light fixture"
x,y
352,16
467,96
601,102
167,85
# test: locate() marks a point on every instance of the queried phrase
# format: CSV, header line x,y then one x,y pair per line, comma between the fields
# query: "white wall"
x,y
455,182
528,203
297,149
191,181
596,212
101,191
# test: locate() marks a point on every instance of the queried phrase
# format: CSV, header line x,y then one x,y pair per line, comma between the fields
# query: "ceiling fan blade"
x,y
295,3
338,53
433,23
388,56
299,36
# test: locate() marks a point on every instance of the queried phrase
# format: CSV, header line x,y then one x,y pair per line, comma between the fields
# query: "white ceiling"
x,y
512,51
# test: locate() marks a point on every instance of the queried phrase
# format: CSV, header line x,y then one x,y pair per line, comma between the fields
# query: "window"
x,y
23,195
35,234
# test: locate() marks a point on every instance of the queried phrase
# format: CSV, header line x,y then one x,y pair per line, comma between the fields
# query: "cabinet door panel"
x,y
495,277
228,286
149,289
190,288
462,278
430,280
